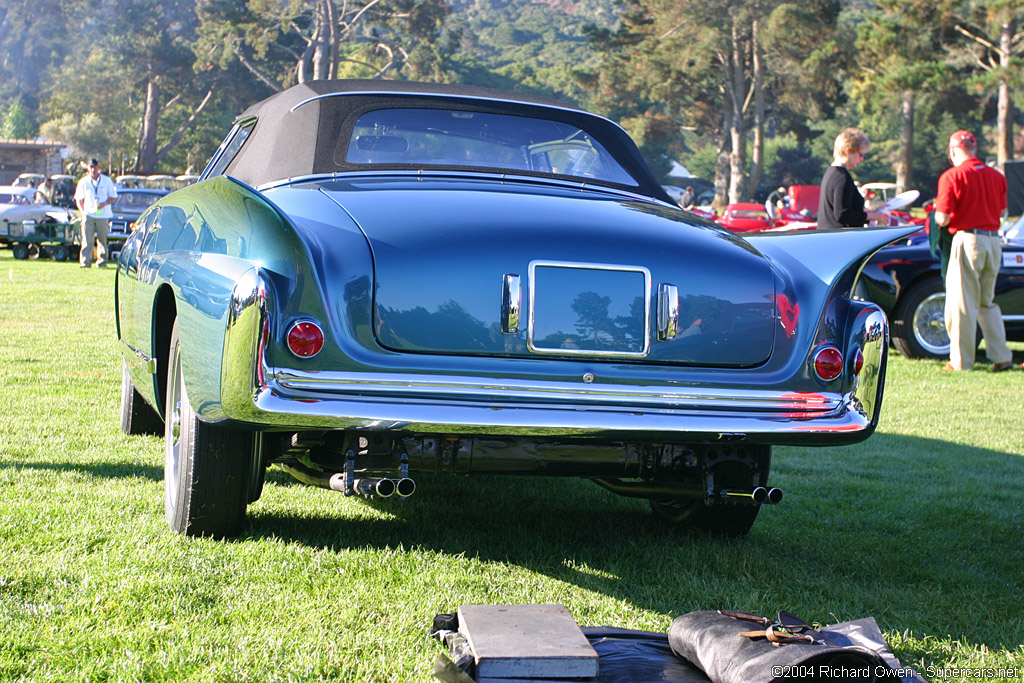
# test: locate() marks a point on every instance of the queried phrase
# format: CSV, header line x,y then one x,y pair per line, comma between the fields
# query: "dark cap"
x,y
96,162
962,138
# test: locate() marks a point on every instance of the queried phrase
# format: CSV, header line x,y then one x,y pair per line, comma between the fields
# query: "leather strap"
x,y
746,616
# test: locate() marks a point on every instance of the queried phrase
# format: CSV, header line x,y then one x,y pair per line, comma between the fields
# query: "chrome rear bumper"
x,y
252,392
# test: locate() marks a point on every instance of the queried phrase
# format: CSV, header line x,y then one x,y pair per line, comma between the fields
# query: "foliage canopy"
x,y
747,92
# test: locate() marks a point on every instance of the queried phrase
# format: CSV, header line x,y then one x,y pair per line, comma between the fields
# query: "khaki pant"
x,y
970,288
98,228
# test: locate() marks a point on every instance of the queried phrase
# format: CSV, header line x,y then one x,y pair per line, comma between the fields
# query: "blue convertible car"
x,y
377,279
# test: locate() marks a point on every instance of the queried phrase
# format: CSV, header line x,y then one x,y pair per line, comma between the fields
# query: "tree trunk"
x,y
176,138
738,135
1004,133
146,161
322,40
722,161
333,38
905,164
757,153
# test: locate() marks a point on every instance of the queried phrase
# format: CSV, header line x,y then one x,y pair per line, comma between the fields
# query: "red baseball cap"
x,y
962,138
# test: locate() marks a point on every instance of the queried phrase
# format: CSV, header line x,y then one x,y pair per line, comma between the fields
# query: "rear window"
x,y
455,138
230,148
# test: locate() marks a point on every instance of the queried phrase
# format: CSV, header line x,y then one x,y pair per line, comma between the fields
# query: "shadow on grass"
x,y
907,530
109,470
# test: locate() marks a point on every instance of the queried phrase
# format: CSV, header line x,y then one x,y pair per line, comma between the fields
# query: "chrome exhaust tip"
x,y
774,496
405,487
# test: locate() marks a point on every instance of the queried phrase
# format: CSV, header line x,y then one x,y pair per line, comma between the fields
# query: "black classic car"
x,y
905,280
375,279
130,204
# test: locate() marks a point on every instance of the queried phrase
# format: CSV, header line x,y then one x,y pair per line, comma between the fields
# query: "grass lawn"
x,y
920,527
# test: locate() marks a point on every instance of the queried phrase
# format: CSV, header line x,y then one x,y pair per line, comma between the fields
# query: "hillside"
x,y
527,45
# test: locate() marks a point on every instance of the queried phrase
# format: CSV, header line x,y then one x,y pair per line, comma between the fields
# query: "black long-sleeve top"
x,y
840,204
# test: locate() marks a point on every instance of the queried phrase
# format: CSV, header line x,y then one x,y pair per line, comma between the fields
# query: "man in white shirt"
x,y
94,195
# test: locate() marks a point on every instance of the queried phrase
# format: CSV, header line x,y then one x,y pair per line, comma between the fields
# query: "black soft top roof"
x,y
298,129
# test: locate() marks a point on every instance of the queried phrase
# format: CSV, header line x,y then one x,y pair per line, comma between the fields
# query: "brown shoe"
x,y
999,367
948,367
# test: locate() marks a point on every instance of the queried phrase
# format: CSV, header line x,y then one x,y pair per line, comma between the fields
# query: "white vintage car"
x,y
21,204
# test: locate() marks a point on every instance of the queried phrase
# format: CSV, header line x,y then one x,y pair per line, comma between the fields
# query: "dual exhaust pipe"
x,y
759,496
369,487
384,488
380,487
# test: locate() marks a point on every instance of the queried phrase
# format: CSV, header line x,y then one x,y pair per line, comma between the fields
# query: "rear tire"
x,y
723,519
60,253
919,329
20,251
209,472
137,416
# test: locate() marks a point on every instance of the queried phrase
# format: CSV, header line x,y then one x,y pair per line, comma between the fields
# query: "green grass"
x,y
919,526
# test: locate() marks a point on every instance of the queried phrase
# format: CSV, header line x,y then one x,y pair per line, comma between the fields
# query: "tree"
x,y
900,56
32,38
992,47
15,124
723,69
636,83
131,53
87,134
282,43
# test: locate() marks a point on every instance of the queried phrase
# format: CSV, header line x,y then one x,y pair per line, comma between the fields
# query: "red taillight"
x,y
305,339
858,362
828,363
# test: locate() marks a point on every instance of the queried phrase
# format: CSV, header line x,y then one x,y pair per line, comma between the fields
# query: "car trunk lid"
x,y
586,271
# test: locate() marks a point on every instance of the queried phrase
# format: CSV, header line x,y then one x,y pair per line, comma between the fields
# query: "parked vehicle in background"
x,y
165,182
29,180
22,204
905,280
704,191
876,194
746,217
379,278
130,204
794,203
64,193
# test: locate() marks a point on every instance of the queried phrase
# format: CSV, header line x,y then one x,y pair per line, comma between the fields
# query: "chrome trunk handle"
x,y
511,303
668,312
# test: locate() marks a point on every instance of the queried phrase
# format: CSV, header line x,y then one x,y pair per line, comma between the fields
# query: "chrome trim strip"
x,y
298,384
431,415
147,362
668,312
454,96
1014,318
435,173
511,303
589,352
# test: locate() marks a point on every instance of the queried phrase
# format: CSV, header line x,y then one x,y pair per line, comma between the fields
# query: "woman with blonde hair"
x,y
841,204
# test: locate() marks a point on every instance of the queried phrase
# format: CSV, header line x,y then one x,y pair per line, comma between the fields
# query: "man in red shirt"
x,y
971,202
